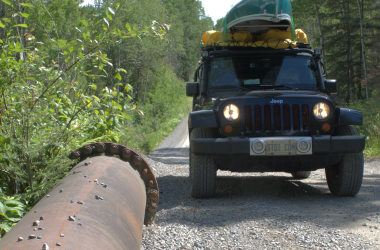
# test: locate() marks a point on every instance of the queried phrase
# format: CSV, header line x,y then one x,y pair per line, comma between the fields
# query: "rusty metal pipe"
x,y
101,205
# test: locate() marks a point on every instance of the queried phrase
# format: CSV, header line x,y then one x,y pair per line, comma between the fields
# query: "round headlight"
x,y
231,112
321,110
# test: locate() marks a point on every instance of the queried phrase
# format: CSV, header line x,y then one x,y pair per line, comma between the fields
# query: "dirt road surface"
x,y
259,211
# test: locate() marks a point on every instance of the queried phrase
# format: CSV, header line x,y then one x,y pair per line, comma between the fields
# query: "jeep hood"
x,y
275,94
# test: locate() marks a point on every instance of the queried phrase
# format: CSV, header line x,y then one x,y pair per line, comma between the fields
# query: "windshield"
x,y
273,72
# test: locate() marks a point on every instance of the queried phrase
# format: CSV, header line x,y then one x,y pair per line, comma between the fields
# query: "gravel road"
x,y
258,211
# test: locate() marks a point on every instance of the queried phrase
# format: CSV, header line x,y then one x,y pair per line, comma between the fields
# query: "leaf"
x,y
27,5
7,2
118,76
2,25
111,10
128,87
26,15
14,211
23,25
121,70
84,22
13,203
93,86
5,227
109,15
3,209
128,26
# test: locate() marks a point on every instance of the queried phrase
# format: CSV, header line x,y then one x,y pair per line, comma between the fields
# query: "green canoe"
x,y
258,15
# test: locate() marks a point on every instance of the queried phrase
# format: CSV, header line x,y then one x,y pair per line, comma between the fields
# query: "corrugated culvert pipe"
x,y
103,204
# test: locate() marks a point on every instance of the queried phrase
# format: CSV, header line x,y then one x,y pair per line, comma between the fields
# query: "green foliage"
x,y
165,106
371,125
51,106
339,35
11,211
72,75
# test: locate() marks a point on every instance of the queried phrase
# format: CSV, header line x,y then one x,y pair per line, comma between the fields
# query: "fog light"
x,y
303,146
326,127
228,129
258,146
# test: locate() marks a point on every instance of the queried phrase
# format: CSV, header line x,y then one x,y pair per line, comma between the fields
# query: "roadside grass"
x,y
371,124
165,107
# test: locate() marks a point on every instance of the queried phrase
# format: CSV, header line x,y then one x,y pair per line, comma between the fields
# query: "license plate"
x,y
286,147
280,146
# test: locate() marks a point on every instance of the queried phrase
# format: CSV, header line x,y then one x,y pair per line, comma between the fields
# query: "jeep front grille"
x,y
276,118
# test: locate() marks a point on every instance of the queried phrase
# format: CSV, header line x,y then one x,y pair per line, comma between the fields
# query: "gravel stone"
x,y
45,246
258,210
32,236
71,218
20,239
98,197
36,223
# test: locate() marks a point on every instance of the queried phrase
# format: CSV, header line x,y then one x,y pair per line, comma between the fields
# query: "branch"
x,y
56,79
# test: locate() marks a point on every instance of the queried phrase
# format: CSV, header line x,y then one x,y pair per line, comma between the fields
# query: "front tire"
x,y
345,178
202,169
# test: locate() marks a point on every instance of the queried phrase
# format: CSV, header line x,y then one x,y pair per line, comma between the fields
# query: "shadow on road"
x,y
267,197
171,156
260,197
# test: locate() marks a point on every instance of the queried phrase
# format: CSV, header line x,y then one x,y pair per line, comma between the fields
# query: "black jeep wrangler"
x,y
270,110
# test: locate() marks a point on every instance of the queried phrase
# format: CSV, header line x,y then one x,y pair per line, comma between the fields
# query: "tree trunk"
x,y
346,13
364,68
321,38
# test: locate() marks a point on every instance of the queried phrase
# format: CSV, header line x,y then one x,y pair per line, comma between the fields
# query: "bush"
x,y
11,211
371,125
165,106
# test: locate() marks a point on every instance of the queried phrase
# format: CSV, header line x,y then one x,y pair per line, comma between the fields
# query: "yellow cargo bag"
x,y
275,34
212,36
243,36
301,36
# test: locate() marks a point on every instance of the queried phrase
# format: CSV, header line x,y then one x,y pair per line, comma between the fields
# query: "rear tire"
x,y
301,175
345,178
202,169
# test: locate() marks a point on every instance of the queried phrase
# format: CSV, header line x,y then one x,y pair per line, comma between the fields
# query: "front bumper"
x,y
324,144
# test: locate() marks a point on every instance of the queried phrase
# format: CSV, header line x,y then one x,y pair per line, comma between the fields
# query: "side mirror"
x,y
192,89
330,85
